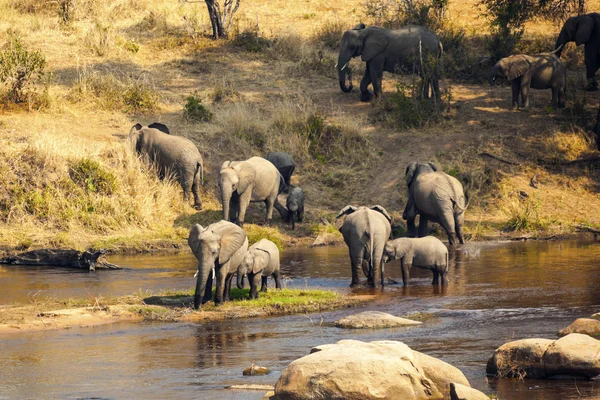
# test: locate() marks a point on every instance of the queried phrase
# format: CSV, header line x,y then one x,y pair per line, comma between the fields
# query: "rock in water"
x,y
256,370
461,392
373,320
586,326
355,370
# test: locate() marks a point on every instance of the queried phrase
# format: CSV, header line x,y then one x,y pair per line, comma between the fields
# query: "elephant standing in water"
x,y
242,182
434,196
260,262
403,50
428,252
171,155
583,29
366,231
221,246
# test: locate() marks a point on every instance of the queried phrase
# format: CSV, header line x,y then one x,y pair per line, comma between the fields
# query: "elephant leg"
x,y
459,222
227,291
405,271
591,66
561,98
277,278
243,203
234,209
525,83
447,222
254,280
436,86
270,202
515,85
436,276
365,95
554,101
263,287
377,263
220,287
376,72
208,291
300,213
195,192
422,226
367,271
356,260
411,228
444,277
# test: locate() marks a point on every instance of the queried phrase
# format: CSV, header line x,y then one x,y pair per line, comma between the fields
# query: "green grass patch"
x,y
256,233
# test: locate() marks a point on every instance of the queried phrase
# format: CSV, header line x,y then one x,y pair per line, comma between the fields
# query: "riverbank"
x,y
172,306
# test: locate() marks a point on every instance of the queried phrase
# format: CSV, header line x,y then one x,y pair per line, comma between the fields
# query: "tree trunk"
x,y
221,21
60,258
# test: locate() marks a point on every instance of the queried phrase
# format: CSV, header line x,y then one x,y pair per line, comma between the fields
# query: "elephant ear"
x,y
232,238
194,239
359,27
225,164
584,30
410,172
517,67
261,260
375,43
382,210
247,175
433,166
346,211
161,127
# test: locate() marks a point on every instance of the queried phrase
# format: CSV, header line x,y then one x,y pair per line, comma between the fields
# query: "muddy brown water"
x,y
498,292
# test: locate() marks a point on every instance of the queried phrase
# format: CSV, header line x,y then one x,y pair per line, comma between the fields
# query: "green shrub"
x,y
20,70
193,110
139,96
394,14
92,177
250,39
330,34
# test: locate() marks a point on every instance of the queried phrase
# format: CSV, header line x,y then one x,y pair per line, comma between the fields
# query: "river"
x,y
498,291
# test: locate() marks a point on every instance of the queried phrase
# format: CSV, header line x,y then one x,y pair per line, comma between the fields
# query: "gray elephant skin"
x,y
284,163
540,71
583,29
437,197
260,261
221,246
295,205
171,155
242,182
428,252
366,231
404,49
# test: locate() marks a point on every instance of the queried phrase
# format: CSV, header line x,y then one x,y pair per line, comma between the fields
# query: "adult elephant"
x,y
366,232
170,154
404,49
285,165
583,29
434,196
242,182
221,246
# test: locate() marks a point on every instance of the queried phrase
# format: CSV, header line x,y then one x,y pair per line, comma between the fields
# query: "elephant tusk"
x,y
213,273
196,274
344,67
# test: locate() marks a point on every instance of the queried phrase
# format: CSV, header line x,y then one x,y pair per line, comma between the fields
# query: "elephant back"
x,y
271,248
435,190
266,177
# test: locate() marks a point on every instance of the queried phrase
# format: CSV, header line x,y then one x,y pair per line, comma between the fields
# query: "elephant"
x,y
597,129
437,197
221,246
285,165
583,29
260,261
171,155
428,252
540,71
242,182
295,205
394,51
366,231
160,127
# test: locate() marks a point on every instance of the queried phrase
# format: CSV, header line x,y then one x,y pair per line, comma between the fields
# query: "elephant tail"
x,y
459,208
200,169
441,49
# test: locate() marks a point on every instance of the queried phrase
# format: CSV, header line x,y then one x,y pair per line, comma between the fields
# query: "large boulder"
x,y
586,326
373,320
574,355
352,369
461,392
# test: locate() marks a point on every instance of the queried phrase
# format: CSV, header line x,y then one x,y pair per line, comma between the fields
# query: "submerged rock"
x,y
256,370
352,369
574,355
586,326
373,320
462,392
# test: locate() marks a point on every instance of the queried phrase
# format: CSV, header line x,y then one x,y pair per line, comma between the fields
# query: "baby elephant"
x,y
427,252
540,71
261,260
295,205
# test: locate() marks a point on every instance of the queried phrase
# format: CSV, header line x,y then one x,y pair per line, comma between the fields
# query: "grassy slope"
x,y
262,94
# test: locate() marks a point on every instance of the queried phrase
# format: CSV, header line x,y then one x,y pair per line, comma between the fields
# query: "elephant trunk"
x,y
343,61
563,39
240,279
492,76
226,193
203,282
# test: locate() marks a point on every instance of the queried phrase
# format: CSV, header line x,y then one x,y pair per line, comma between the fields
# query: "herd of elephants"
x,y
222,247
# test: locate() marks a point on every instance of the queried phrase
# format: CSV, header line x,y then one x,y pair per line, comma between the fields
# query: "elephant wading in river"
x,y
260,262
428,252
434,196
403,50
171,155
221,246
366,231
583,29
242,182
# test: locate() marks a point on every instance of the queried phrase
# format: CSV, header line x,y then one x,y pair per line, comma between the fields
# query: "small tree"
x,y
20,69
221,17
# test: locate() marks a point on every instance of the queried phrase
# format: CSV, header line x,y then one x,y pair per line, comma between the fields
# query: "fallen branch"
x,y
583,228
588,159
60,258
498,158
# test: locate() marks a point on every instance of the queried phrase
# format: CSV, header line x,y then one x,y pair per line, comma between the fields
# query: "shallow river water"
x,y
498,292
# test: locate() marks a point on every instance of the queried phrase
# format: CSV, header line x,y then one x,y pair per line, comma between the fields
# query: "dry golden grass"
x,y
273,99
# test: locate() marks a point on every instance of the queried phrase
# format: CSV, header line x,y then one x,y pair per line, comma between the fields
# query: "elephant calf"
x,y
295,205
260,262
171,155
428,252
540,71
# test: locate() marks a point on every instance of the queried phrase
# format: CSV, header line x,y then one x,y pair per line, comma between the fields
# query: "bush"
x,y
460,60
250,39
330,34
92,177
20,70
100,38
394,14
193,110
524,215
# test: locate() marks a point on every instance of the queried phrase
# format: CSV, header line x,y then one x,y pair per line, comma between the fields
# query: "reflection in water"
x,y
497,292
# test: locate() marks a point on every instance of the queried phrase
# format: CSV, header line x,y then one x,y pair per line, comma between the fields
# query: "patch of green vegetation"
x,y
193,110
256,233
92,177
250,39
525,216
20,70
